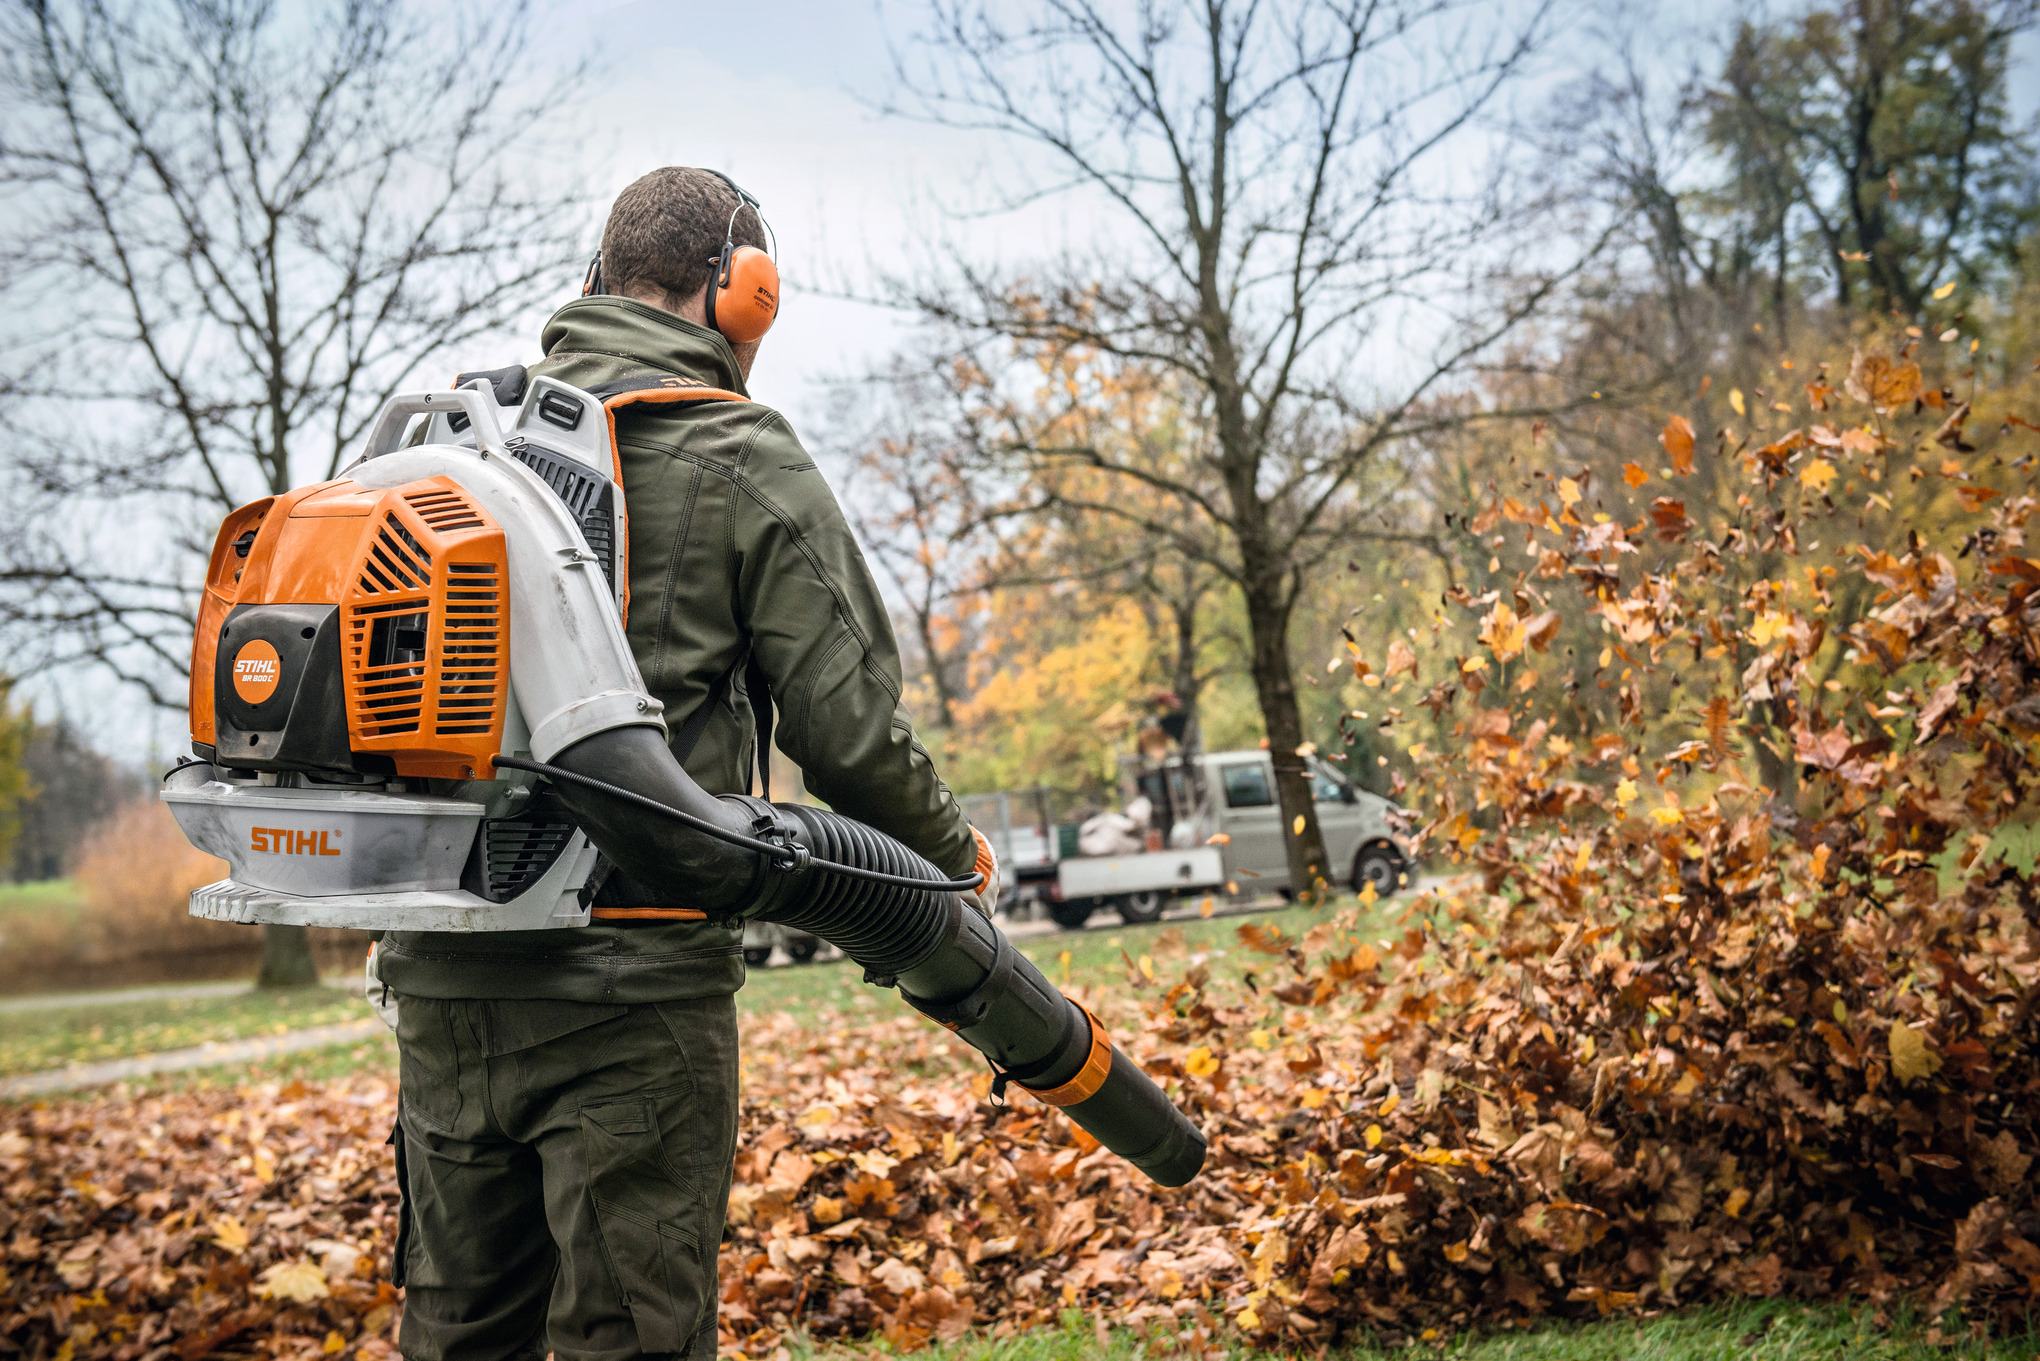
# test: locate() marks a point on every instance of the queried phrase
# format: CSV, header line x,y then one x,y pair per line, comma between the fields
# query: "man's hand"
x,y
986,898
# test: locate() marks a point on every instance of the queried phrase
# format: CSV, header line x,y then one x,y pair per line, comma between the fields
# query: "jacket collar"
x,y
651,336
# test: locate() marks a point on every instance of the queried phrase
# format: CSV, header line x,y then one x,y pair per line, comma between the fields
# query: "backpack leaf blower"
x,y
414,709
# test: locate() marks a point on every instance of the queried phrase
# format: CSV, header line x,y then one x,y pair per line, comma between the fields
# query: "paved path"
x,y
178,1060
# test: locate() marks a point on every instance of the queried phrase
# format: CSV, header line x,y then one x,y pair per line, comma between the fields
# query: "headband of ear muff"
x,y
743,297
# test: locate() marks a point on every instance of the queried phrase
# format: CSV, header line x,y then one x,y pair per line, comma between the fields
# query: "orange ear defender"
x,y
743,298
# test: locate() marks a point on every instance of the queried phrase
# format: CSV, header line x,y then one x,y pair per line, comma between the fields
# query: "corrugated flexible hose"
x,y
949,962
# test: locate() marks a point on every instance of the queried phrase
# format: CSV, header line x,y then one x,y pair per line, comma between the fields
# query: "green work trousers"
x,y
565,1168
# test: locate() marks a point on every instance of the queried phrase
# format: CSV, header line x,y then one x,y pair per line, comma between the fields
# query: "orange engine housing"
x,y
421,564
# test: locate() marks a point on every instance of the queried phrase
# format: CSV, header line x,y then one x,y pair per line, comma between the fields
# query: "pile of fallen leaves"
x,y
1747,1010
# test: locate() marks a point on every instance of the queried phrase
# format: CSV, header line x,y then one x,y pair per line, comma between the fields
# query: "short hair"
x,y
665,231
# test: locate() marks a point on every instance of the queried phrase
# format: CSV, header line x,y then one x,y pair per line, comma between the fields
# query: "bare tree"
x,y
233,229
1288,222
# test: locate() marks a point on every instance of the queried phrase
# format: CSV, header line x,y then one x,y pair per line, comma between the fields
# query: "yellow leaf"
x,y
333,1343
1625,793
1737,1198
1819,475
1473,664
1261,1039
1769,627
1367,893
1667,815
1944,290
1455,1253
1296,827
1207,907
1388,1106
1147,968
1735,399
817,1117
265,1166
1504,632
229,1234
1373,1136
1910,1057
1568,491
1200,1062
301,1282
1250,1321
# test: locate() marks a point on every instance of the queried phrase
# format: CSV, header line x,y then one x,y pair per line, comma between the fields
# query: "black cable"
x,y
777,853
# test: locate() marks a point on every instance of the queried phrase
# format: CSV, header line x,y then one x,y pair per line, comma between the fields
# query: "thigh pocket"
x,y
428,1063
650,1214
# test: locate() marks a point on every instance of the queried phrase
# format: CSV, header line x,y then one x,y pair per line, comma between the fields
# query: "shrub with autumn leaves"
x,y
1743,1008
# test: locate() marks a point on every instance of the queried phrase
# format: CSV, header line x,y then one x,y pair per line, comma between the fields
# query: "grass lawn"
x,y
88,1032
1753,1330
42,898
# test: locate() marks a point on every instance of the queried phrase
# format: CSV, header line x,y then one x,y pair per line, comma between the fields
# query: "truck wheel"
x,y
1071,913
1138,908
757,955
1379,866
803,948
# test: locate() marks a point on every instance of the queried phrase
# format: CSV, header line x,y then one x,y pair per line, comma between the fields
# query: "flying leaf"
x,y
1200,1062
1818,475
1296,827
1677,438
1634,475
1735,400
1944,290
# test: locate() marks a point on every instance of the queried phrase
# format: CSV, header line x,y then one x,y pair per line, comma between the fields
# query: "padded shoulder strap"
x,y
635,390
508,384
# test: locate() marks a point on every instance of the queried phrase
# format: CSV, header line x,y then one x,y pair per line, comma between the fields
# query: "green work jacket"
x,y
736,542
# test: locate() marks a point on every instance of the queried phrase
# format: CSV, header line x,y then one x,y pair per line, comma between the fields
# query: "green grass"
x,y
1068,958
42,897
90,1032
1753,1330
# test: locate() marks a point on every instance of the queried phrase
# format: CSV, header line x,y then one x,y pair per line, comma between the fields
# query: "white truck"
x,y
1219,825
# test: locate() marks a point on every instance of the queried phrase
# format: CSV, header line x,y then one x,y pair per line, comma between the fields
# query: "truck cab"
x,y
1364,833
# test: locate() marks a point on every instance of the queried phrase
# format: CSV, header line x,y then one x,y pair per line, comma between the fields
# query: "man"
x,y
569,1098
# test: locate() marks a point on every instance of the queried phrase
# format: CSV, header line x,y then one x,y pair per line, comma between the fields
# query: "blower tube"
x,y
949,962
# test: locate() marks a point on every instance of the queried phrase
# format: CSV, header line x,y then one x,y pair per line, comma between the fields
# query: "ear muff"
x,y
745,299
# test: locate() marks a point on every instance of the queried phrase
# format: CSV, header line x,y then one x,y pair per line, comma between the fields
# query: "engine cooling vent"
x,y
517,851
396,561
471,652
425,634
589,497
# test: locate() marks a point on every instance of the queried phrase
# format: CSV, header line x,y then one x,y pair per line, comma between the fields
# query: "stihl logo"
x,y
285,841
257,669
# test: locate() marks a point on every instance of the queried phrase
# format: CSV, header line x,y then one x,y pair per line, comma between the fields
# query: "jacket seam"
x,y
807,699
679,543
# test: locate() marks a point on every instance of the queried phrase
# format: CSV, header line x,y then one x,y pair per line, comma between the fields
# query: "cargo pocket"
x,y
428,1063
399,1254
649,1215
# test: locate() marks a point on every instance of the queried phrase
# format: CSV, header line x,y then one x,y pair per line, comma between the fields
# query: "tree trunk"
x,y
287,958
1275,685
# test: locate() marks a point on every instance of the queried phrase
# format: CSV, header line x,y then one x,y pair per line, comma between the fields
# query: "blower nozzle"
x,y
885,907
